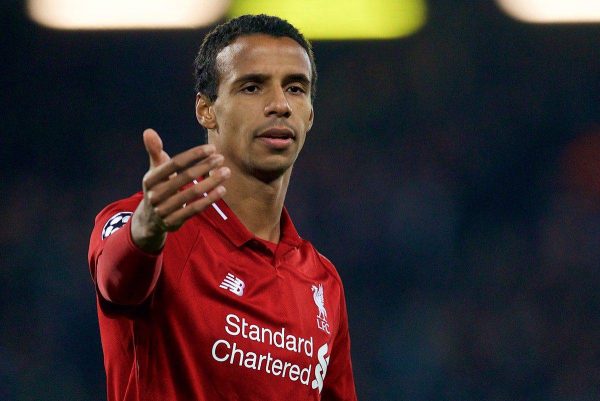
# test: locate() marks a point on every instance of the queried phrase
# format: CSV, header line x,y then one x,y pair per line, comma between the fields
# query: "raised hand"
x,y
166,206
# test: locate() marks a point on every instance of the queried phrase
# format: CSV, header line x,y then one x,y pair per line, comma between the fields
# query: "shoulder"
x,y
326,264
110,220
114,216
122,205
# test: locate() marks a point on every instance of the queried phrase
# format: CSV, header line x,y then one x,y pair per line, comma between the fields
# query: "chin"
x,y
270,173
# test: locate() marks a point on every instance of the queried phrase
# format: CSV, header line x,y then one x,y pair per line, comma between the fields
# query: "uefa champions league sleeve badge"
x,y
115,223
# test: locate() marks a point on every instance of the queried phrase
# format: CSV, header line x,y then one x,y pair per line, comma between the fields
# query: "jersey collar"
x,y
222,217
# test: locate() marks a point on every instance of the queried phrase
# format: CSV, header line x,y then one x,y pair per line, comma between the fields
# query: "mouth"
x,y
277,138
277,133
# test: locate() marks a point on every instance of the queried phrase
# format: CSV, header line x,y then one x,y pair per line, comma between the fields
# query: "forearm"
x,y
125,274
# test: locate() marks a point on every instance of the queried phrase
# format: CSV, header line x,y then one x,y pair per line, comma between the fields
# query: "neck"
x,y
257,204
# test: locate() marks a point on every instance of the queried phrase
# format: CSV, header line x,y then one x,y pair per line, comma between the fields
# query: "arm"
x,y
128,263
339,381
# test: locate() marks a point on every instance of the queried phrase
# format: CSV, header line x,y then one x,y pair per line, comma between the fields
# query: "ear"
x,y
205,113
311,118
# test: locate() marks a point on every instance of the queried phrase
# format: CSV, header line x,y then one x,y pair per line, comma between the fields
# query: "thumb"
x,y
154,147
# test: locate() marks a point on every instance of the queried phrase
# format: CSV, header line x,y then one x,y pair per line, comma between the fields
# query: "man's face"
x,y
263,107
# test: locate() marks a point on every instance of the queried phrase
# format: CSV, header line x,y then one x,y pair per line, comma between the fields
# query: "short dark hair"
x,y
205,64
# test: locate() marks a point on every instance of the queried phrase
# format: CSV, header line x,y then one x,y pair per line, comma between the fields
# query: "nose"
x,y
278,104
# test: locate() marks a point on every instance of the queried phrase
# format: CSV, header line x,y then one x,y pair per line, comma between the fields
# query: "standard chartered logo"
x,y
228,351
321,368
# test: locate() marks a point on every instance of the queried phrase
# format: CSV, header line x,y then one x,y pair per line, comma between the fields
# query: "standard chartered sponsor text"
x,y
227,350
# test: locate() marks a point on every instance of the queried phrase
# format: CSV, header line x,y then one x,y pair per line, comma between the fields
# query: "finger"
x,y
195,191
154,147
177,218
166,189
177,164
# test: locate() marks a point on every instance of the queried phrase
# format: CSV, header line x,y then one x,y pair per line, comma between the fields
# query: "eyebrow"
x,y
260,78
251,78
302,78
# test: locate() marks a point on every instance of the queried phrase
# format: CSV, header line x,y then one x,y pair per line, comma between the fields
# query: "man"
x,y
205,290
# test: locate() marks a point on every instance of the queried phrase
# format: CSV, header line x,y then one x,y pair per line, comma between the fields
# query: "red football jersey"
x,y
228,319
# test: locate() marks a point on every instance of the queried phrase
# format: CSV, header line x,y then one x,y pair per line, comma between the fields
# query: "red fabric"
x,y
198,336
126,275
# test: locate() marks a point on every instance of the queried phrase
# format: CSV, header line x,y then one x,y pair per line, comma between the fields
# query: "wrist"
x,y
147,237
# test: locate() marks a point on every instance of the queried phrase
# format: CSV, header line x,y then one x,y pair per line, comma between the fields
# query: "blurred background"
x,y
452,175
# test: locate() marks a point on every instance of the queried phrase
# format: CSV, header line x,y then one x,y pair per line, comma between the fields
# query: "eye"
x,y
296,89
250,88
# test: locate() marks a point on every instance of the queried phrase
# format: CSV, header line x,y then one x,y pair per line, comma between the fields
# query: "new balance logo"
x,y
233,284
